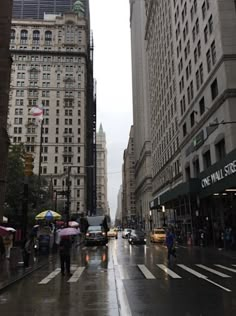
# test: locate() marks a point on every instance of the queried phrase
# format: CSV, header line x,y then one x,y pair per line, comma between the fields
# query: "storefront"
x,y
204,205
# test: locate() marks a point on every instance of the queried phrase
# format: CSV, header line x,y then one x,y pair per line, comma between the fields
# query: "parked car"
x,y
126,232
157,235
112,233
137,237
96,235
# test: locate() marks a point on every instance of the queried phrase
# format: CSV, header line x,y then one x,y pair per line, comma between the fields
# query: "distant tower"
x,y
102,204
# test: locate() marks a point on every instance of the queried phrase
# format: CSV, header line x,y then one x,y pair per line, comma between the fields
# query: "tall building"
x,y
129,215
101,179
166,166
51,59
118,216
141,111
195,44
5,70
35,9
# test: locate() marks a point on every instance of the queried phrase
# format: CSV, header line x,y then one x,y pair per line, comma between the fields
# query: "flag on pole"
x,y
37,112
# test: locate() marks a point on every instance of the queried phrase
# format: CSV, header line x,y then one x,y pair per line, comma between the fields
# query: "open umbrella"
x,y
6,230
73,224
48,216
69,231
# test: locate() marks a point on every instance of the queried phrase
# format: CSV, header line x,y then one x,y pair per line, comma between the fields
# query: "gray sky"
x,y
112,70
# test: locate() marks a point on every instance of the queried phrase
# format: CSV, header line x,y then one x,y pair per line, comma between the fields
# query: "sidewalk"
x,y
10,275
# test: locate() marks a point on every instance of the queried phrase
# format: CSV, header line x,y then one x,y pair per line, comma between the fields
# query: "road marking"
x,y
114,255
146,272
94,248
123,302
123,274
213,271
199,275
84,248
76,275
50,276
168,271
202,276
226,268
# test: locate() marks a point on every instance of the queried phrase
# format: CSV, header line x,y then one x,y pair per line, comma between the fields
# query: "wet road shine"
x,y
125,280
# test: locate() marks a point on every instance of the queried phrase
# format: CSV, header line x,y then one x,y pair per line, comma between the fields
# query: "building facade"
x,y
50,59
203,50
118,217
129,215
35,9
165,150
5,70
141,111
101,179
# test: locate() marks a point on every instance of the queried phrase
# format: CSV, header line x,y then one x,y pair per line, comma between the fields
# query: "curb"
x,y
23,276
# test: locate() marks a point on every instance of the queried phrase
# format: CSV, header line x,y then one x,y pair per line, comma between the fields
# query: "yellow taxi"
x,y
112,233
158,235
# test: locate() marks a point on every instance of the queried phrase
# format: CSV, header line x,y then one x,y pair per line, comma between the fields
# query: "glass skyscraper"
x,y
35,9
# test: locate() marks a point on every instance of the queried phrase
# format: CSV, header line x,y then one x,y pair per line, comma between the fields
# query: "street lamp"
x,y
150,219
163,213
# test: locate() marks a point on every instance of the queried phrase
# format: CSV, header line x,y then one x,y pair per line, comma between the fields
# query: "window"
x,y
36,37
23,36
204,10
213,53
48,38
196,168
207,159
202,106
210,24
184,129
206,34
208,57
214,89
187,173
201,74
192,118
220,150
13,36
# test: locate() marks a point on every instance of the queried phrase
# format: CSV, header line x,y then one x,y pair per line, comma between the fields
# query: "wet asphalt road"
x,y
120,279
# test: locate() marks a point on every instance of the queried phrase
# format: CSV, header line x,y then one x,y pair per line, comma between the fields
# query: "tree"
x,y
15,185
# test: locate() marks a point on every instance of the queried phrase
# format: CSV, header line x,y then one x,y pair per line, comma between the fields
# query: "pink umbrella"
x,y
73,224
69,231
6,230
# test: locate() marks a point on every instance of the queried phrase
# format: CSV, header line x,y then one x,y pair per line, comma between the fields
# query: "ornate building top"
x,y
78,7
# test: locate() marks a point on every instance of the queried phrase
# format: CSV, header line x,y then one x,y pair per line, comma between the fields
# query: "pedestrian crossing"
x,y
158,271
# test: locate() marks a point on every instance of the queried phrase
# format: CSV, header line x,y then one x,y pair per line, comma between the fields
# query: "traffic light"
x,y
29,164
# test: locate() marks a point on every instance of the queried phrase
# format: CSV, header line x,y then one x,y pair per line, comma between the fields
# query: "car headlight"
x,y
145,239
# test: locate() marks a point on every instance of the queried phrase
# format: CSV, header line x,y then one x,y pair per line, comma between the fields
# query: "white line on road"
x,y
168,271
123,274
84,248
94,248
226,268
146,272
223,288
213,271
50,276
202,276
124,307
76,275
199,275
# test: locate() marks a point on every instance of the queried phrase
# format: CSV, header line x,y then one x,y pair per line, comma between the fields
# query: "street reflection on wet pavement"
x,y
120,279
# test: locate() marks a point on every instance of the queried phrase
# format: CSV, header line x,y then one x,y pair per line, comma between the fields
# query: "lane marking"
x,y
94,248
50,276
146,272
213,271
226,268
123,274
114,254
199,275
123,302
84,248
220,286
202,276
169,272
76,275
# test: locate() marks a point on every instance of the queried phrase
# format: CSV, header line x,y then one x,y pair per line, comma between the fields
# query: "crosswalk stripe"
x,y
94,248
199,275
146,272
50,276
169,272
213,271
76,275
226,268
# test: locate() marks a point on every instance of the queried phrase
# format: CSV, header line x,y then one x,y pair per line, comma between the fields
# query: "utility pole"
x,y
5,71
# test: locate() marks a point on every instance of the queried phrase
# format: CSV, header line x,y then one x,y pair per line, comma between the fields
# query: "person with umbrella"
x,y
65,248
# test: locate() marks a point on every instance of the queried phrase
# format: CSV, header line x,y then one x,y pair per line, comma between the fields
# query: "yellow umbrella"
x,y
48,215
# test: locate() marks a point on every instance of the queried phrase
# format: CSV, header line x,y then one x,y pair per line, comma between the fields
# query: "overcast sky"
x,y
112,70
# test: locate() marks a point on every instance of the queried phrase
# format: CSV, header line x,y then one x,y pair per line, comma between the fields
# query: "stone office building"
x,y
204,48
50,60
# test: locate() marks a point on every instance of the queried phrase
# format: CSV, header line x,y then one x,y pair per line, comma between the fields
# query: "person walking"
x,y
170,243
28,250
64,250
